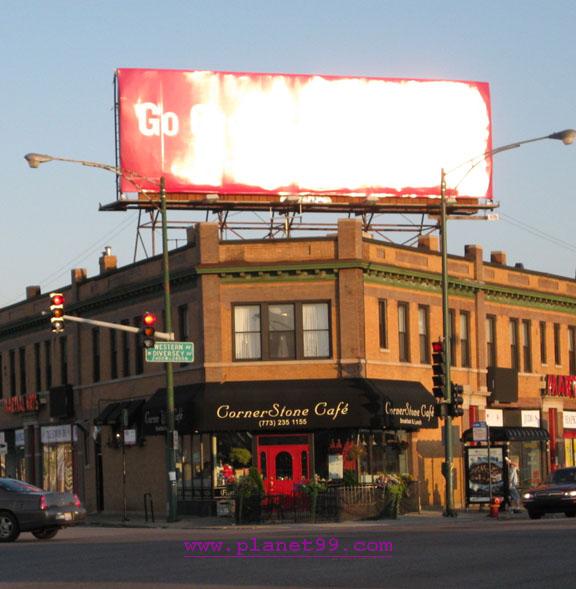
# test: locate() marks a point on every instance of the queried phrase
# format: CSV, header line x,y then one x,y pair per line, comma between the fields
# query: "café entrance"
x,y
283,461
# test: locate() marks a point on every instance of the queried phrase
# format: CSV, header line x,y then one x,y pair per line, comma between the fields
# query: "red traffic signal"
x,y
149,330
438,373
57,311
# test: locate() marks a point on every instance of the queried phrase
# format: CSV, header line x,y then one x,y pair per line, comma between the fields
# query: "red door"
x,y
283,461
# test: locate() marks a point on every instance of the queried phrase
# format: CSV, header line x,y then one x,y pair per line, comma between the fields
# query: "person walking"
x,y
513,483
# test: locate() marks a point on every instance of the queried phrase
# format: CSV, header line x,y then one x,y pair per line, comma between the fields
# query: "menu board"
x,y
478,471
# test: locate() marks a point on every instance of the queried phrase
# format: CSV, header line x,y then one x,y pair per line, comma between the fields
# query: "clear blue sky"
x,y
57,64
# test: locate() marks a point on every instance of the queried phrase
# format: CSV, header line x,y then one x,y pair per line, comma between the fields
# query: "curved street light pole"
x,y
34,160
567,137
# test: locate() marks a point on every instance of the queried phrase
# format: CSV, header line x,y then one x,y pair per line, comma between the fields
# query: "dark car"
x,y
556,495
26,508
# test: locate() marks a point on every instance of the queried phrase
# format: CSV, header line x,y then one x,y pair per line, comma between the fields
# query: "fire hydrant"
x,y
495,506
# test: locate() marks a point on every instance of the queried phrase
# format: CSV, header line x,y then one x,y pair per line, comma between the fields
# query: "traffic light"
x,y
457,400
57,311
438,375
149,330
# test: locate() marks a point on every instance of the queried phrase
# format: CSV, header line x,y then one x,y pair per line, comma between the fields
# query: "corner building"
x,y
312,356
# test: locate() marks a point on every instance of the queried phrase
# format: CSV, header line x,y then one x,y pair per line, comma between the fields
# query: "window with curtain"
x,y
247,332
281,331
315,330
423,334
491,340
465,339
403,335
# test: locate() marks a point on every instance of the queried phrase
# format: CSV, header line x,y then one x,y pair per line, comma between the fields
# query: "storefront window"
x,y
57,467
352,455
530,457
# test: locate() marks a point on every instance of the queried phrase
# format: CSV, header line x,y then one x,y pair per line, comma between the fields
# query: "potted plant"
x,y
249,492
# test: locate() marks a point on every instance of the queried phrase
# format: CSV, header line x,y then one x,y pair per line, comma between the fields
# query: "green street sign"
x,y
180,352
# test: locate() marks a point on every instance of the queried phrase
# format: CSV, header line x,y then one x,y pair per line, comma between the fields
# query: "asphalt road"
x,y
445,553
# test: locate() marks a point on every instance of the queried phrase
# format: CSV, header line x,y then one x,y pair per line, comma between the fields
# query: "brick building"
x,y
312,355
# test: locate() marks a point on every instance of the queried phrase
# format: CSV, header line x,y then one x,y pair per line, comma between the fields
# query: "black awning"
x,y
512,434
112,413
294,405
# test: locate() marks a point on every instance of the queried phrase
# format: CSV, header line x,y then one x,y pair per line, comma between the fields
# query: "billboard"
x,y
273,134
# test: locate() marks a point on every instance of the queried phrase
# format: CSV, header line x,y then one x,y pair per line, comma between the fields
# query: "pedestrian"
x,y
513,483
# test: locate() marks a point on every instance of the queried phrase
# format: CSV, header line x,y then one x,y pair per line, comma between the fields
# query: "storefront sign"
x,y
558,385
19,438
495,417
20,403
531,418
569,419
295,405
57,434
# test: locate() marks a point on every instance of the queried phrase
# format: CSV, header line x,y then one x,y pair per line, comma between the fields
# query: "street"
x,y
431,553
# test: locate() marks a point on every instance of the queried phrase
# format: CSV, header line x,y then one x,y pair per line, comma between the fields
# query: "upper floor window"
x,y
138,347
527,345
48,363
37,367
452,338
543,350
125,350
514,351
490,340
113,354
383,322
22,370
281,331
95,355
424,334
572,349
557,353
403,333
12,372
63,360
465,339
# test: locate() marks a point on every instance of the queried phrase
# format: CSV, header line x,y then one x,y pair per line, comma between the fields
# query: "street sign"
x,y
171,352
479,431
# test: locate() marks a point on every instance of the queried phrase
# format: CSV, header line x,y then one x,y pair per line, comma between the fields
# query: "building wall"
x,y
349,270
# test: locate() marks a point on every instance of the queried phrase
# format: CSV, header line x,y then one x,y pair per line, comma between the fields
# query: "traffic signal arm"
x,y
161,335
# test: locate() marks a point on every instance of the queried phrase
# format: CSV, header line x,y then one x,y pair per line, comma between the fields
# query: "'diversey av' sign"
x,y
243,134
558,385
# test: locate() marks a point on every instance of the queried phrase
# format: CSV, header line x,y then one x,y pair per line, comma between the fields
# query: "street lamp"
x,y
34,160
568,136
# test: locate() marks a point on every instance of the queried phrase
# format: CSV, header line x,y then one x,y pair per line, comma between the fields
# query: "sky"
x,y
58,61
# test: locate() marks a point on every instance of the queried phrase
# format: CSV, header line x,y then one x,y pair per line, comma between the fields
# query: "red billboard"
x,y
274,134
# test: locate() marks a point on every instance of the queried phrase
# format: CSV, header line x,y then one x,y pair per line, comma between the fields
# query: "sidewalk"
x,y
135,520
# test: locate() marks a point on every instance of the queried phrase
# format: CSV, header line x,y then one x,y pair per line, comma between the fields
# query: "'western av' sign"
x,y
171,352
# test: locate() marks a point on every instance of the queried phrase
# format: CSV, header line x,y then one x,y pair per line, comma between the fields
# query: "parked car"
x,y
26,508
556,495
